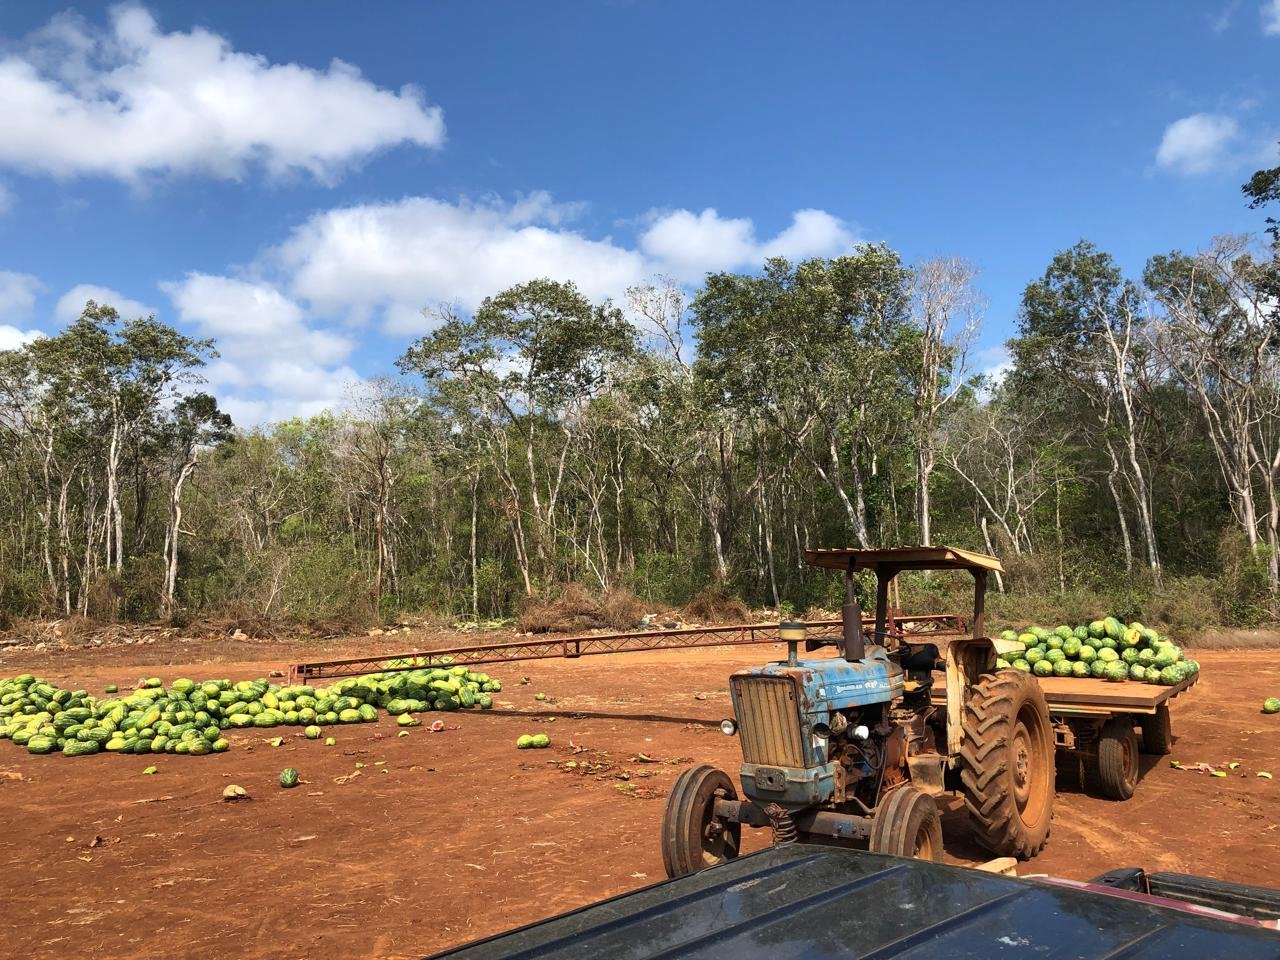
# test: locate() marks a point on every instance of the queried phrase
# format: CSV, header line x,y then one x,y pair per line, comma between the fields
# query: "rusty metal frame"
x,y
935,625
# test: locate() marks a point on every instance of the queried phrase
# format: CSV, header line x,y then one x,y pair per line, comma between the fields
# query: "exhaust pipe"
x,y
855,647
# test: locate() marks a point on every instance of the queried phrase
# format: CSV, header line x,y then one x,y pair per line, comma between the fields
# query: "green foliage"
x,y
666,578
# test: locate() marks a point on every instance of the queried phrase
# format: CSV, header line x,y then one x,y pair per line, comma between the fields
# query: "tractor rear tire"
x,y
1118,759
907,825
1157,732
1007,764
692,837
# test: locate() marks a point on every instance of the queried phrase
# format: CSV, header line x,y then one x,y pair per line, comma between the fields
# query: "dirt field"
x,y
442,838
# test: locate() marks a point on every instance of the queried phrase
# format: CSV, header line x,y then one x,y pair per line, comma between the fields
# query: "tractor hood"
x,y
833,683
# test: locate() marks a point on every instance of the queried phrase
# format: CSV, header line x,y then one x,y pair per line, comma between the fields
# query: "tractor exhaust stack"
x,y
851,617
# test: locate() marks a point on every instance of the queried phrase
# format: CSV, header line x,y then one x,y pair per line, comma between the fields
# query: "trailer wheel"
x,y
1118,759
1157,732
908,825
692,836
1007,764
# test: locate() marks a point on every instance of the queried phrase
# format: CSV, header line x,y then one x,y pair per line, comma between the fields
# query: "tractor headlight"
x,y
729,727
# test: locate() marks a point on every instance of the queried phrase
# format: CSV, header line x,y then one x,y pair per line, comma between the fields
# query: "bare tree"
x,y
947,310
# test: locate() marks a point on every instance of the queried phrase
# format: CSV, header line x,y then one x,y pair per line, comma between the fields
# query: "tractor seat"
x,y
920,659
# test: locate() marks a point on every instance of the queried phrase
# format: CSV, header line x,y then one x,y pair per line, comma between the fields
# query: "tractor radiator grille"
x,y
768,721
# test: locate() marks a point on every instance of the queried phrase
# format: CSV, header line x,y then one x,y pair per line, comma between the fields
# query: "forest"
x,y
681,441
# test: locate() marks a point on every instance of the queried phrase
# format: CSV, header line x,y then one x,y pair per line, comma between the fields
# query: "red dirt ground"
x,y
443,838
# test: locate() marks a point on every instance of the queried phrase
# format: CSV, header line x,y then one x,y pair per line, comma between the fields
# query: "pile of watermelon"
x,y
188,717
1104,649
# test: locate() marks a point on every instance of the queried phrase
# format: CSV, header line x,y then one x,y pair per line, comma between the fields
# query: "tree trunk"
x,y
173,532
475,566
1112,474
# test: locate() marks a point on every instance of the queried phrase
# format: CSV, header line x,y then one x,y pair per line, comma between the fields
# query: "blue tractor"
x,y
857,748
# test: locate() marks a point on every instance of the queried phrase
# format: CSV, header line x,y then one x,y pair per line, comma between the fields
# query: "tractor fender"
x,y
967,659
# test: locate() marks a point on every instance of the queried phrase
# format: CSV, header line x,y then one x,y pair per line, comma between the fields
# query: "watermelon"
x,y
407,720
540,740
1055,656
288,777
312,733
1098,669
1019,664
41,744
1034,655
1080,669
110,688
1117,671
1109,655
1271,705
1088,654
524,742
1137,672
1053,642
1062,668
1042,668
1071,647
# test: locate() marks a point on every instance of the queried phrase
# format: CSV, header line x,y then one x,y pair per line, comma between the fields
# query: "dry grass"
x,y
715,605
576,609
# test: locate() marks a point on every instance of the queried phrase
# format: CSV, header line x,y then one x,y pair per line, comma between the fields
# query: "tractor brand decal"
x,y
863,685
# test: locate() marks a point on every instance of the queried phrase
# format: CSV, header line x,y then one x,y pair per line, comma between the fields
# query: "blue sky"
x,y
299,180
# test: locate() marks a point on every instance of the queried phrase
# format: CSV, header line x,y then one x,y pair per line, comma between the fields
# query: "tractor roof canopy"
x,y
901,558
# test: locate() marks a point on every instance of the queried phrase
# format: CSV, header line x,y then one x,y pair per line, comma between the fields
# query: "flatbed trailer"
x,y
1104,727
939,627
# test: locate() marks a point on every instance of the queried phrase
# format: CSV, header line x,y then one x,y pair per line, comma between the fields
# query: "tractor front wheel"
x,y
693,837
1007,764
907,825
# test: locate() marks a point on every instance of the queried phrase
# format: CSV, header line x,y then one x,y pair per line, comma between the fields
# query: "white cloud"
x,y
402,256
11,338
132,100
71,304
416,252
994,364
1271,18
273,364
688,245
1198,143
17,294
